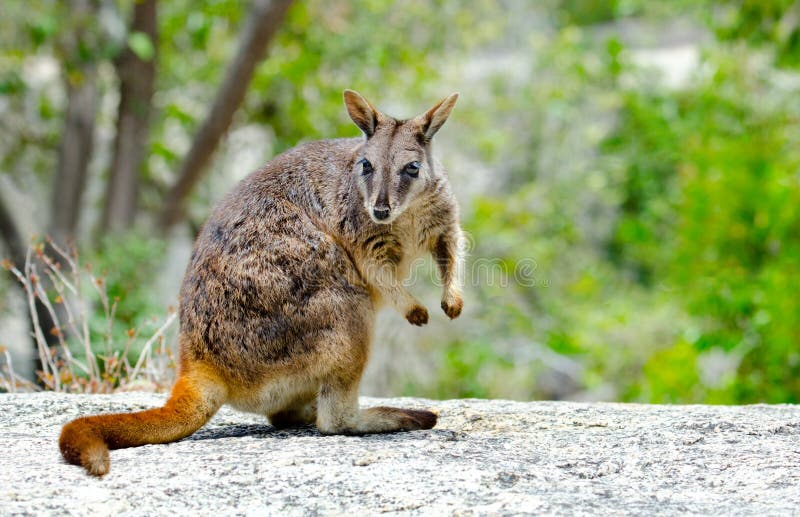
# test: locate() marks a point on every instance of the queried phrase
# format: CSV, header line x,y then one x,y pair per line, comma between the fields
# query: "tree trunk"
x,y
137,79
11,236
73,157
18,249
77,140
77,137
264,20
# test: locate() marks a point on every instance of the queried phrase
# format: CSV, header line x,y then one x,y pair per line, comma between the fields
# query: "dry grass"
x,y
71,293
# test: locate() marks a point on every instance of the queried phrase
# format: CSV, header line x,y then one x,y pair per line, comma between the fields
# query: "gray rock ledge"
x,y
485,457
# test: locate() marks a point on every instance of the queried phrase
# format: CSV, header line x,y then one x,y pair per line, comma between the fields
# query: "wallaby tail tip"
x,y
80,445
96,460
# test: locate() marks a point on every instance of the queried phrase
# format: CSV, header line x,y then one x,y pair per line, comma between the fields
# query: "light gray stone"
x,y
484,458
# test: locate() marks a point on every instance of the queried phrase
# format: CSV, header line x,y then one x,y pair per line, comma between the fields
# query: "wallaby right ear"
x,y
362,112
430,121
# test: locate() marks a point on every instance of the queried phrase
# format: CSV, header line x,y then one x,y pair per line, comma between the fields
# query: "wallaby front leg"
x,y
395,292
450,260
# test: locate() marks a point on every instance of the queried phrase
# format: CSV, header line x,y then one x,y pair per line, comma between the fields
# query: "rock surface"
x,y
485,457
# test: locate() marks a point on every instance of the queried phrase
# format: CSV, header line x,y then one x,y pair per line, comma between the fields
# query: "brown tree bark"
x,y
17,249
265,17
75,149
73,157
77,137
136,86
14,243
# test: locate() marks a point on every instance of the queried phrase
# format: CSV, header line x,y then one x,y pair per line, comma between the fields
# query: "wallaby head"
x,y
395,166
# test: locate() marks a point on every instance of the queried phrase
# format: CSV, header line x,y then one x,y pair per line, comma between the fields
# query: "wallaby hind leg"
x,y
338,413
303,412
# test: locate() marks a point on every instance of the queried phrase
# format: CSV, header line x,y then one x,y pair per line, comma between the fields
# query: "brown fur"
x,y
279,299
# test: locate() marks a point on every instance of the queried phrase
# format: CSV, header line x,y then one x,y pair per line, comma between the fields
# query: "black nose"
x,y
381,213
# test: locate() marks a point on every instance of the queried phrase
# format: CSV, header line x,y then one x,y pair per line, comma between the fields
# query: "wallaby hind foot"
x,y
338,413
297,416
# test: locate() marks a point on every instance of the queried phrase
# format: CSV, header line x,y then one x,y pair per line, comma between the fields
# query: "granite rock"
x,y
485,457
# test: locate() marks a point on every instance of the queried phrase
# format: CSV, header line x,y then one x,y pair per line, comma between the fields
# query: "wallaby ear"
x,y
362,112
430,121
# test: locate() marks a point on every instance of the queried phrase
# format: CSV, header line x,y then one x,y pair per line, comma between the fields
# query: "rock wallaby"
x,y
278,304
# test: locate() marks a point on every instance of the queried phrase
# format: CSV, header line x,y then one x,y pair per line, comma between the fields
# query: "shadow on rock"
x,y
269,431
252,430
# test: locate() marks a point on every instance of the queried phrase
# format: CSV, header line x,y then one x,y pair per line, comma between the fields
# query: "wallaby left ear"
x,y
430,121
364,114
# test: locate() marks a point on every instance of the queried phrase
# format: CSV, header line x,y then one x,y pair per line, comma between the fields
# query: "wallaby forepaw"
x,y
452,307
418,315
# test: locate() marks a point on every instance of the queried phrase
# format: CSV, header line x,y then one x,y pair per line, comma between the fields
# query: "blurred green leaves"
x,y
662,219
42,29
685,295
773,25
141,45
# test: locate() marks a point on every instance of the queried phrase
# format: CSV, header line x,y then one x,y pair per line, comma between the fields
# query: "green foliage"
x,y
378,48
685,296
773,25
141,45
719,186
632,240
127,264
465,369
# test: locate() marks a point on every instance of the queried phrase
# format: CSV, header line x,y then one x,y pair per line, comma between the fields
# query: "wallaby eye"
x,y
412,169
366,167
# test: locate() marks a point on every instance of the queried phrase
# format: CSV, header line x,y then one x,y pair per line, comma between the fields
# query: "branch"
x,y
264,20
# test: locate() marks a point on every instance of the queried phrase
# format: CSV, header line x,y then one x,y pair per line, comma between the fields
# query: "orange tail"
x,y
86,441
